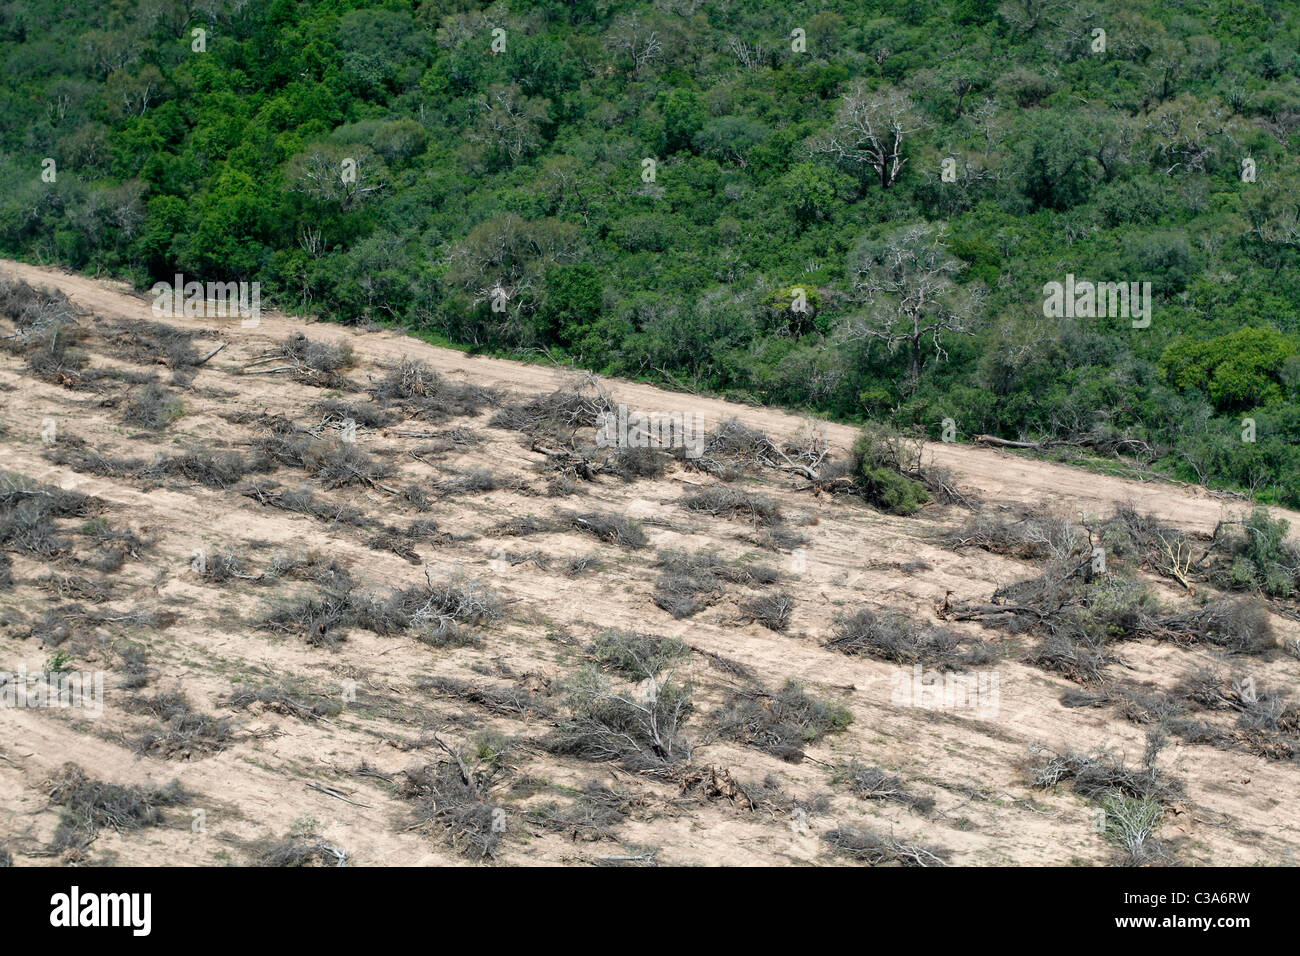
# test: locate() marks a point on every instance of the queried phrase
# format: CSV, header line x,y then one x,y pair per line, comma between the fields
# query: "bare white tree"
x,y
638,41
509,121
907,282
869,129
348,176
1026,16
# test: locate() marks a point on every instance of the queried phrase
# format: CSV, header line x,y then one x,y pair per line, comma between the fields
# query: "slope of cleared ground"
x,y
365,598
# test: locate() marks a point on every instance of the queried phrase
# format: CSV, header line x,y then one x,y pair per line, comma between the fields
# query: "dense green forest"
x,y
843,206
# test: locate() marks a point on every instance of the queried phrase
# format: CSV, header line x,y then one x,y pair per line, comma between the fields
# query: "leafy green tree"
x,y
684,116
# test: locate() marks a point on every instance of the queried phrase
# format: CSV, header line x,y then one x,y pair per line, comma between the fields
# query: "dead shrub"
x,y
152,343
296,851
153,407
1267,724
90,805
335,411
592,816
52,356
74,586
683,595
583,564
502,700
770,610
562,485
771,796
730,451
433,612
612,529
1030,534
633,464
188,733
1140,705
321,619
337,464
309,566
724,501
780,723
223,566
1100,773
400,541
282,700
896,637
436,610
70,451
636,655
212,469
873,783
1073,656
477,481
1237,625
558,415
874,849
33,308
318,362
711,564
523,526
776,538
424,393
46,332
691,582
644,731
29,511
135,667
451,796
416,496
303,501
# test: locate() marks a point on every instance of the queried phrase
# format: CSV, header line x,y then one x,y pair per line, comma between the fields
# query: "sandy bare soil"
x,y
341,777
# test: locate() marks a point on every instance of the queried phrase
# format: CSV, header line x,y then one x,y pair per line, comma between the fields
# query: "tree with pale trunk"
x,y
869,129
906,281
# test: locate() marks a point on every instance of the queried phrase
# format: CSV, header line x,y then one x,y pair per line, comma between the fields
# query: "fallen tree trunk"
x,y
1106,447
1007,443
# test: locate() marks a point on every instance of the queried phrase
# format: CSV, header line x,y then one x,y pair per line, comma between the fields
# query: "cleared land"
x,y
455,631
